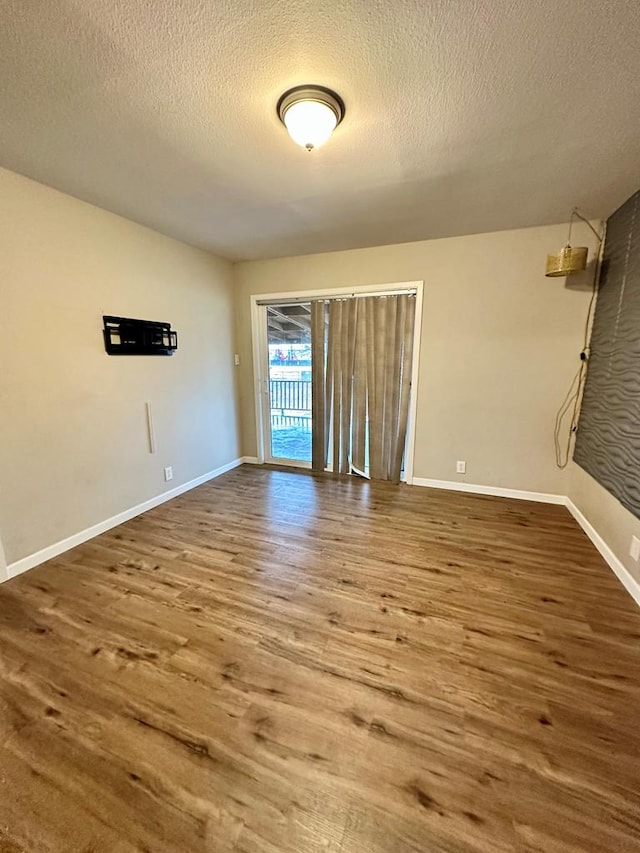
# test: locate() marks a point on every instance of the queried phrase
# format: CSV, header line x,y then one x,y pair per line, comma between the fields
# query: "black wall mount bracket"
x,y
124,336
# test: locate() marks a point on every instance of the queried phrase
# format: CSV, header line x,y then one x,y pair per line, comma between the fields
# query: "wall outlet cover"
x,y
461,467
634,550
168,473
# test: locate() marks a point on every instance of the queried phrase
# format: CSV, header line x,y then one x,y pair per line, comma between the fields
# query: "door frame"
x,y
264,450
259,302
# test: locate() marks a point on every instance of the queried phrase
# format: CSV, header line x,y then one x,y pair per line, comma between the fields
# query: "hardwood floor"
x,y
279,662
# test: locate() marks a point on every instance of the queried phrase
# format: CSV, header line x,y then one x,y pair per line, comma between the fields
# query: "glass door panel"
x,y
289,358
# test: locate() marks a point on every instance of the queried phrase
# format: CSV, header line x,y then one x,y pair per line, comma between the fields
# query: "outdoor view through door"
x,y
339,383
289,345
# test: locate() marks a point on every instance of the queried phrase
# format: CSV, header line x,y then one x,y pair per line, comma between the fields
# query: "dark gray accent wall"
x,y
608,439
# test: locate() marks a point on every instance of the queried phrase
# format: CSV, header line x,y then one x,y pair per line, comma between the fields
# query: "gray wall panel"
x,y
608,439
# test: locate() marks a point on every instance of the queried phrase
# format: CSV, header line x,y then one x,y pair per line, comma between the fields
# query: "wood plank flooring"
x,y
279,662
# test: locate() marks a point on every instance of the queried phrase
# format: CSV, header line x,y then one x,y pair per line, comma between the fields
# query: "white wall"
x,y
73,439
500,344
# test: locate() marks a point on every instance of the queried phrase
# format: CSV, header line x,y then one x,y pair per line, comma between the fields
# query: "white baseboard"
x,y
63,545
624,576
249,460
496,491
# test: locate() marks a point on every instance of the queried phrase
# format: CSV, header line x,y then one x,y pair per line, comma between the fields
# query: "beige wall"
x,y
499,347
615,524
500,344
73,440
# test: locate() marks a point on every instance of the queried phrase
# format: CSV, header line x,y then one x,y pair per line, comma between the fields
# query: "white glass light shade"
x,y
310,113
310,123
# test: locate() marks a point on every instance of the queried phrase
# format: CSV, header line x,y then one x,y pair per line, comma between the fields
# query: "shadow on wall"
x,y
583,281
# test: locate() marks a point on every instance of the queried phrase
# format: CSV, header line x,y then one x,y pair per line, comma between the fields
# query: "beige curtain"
x,y
362,354
319,432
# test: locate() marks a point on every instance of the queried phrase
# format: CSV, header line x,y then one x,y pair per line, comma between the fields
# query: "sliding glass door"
x,y
288,423
336,379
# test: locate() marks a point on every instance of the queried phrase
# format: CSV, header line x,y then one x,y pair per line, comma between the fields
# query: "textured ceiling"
x,y
462,115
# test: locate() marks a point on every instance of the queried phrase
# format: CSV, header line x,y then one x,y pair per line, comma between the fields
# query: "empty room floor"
x,y
279,662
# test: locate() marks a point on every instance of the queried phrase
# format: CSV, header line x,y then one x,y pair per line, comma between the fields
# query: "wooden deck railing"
x,y
290,403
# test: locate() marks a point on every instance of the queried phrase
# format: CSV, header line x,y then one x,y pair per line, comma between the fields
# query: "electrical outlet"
x,y
461,467
168,473
634,550
236,360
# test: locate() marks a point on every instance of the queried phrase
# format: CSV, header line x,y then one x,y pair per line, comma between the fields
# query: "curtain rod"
x,y
347,295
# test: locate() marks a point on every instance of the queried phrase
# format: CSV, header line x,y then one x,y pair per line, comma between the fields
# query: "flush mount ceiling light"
x,y
310,114
570,259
